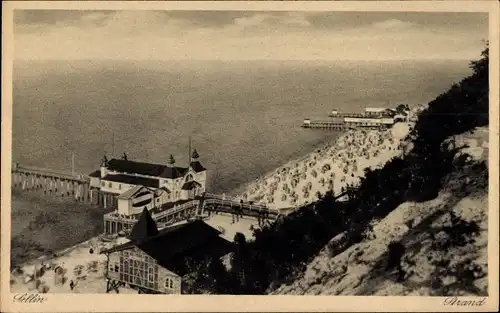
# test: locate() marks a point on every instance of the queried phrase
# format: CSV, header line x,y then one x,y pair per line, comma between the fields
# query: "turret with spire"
x,y
171,161
195,156
195,162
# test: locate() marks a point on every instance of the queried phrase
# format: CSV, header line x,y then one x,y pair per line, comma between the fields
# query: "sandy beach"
x,y
83,264
330,168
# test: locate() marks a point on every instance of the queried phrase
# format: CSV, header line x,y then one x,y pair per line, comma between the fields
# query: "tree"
x,y
240,257
481,65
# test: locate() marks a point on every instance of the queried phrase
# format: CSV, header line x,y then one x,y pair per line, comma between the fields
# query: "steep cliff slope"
x,y
444,240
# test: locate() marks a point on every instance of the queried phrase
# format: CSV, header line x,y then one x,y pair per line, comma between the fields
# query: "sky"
x,y
245,35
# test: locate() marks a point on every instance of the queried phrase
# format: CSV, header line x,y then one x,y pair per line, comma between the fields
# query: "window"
x,y
103,184
110,185
151,276
169,283
113,267
120,186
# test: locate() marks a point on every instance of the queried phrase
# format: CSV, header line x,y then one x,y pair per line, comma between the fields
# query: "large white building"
x,y
118,177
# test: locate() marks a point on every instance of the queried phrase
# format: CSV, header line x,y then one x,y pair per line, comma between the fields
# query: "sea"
x,y
244,117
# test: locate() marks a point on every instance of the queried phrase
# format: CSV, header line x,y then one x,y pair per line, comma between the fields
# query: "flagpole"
x,y
72,163
189,152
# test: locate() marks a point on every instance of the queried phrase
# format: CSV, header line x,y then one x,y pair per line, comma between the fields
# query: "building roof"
x,y
173,172
173,245
197,167
190,185
96,173
132,180
126,166
149,169
130,193
162,190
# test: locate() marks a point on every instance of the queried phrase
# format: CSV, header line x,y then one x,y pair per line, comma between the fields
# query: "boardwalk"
x,y
55,182
325,125
49,173
344,125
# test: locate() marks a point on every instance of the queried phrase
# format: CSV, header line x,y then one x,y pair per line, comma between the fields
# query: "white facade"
x,y
375,110
369,121
114,187
134,200
95,182
123,266
111,181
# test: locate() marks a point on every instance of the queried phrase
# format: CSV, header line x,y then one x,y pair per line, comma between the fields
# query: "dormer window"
x,y
189,178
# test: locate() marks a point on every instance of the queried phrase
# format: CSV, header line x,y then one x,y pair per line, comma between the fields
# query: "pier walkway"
x,y
201,206
326,125
345,125
54,182
49,173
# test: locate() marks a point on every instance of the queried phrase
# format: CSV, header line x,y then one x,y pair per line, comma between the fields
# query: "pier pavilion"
x,y
117,176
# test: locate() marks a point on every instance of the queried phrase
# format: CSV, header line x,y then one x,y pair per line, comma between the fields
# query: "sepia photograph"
x,y
250,152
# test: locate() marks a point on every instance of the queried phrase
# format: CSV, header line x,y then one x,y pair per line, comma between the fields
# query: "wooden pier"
x,y
201,206
339,125
330,125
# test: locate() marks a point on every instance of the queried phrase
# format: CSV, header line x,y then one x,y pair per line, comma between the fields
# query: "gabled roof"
x,y
172,245
161,190
173,172
197,167
96,173
130,193
190,185
165,189
144,228
126,166
149,169
133,180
